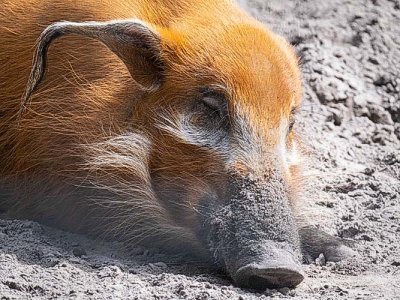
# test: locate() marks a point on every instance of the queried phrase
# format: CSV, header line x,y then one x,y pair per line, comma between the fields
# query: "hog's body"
x,y
150,122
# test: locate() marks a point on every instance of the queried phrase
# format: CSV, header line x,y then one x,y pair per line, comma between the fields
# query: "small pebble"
x,y
134,271
284,291
320,261
369,171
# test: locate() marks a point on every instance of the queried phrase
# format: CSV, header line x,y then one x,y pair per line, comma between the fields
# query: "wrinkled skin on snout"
x,y
167,126
255,234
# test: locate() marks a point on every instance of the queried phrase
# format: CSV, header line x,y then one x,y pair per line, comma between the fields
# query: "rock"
x,y
320,260
134,270
337,114
382,79
369,171
350,232
379,115
270,292
14,285
284,291
367,238
391,158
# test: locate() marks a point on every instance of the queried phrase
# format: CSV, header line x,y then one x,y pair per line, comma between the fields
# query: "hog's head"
x,y
207,161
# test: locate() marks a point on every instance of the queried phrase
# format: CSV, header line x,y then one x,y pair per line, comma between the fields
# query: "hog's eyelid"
x,y
214,106
215,100
212,102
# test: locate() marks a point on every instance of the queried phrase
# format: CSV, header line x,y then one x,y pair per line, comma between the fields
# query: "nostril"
x,y
252,276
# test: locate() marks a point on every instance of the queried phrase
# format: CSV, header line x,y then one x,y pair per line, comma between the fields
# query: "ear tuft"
x,y
135,43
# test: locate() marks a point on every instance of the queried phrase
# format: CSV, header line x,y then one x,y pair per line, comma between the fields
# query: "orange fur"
x,y
88,98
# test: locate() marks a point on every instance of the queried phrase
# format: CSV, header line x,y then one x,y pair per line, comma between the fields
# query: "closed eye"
x,y
215,102
212,104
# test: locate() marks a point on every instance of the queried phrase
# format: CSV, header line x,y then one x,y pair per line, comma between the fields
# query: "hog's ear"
x,y
136,44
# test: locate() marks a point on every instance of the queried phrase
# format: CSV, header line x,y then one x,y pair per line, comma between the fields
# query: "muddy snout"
x,y
255,237
270,267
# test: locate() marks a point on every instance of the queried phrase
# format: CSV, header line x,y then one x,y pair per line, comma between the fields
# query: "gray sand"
x,y
350,53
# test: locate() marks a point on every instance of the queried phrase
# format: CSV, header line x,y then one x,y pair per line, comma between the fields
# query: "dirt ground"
x,y
350,53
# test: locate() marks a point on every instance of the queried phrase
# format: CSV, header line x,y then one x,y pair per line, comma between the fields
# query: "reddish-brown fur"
x,y
88,97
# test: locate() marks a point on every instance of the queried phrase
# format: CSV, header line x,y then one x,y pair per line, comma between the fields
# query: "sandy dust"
x,y
350,54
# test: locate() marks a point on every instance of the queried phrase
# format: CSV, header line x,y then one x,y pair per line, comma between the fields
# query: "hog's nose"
x,y
259,277
273,268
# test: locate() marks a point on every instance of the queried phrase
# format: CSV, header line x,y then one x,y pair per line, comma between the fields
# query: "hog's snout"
x,y
272,268
261,277
254,235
